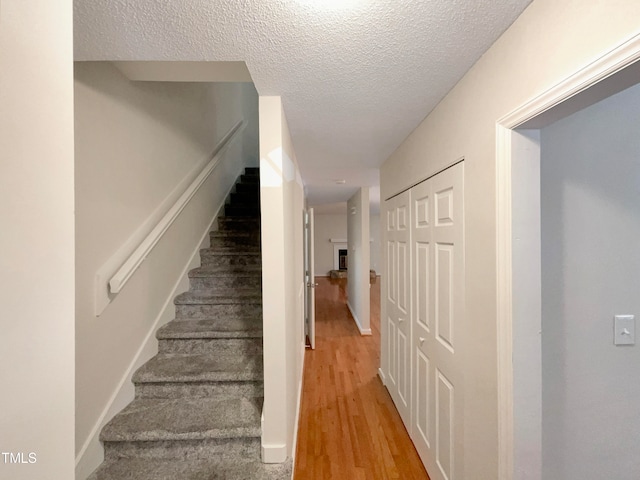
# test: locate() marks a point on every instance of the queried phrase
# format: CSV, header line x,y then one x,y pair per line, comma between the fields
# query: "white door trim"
x,y
602,68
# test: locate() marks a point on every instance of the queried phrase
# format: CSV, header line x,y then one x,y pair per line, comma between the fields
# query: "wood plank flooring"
x,y
349,428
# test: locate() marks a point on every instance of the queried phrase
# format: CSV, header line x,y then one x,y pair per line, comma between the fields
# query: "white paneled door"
x,y
398,293
438,322
425,324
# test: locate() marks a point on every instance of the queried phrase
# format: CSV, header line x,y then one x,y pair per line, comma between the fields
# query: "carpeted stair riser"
x,y
192,305
239,224
200,389
227,283
247,197
201,367
220,346
222,448
253,187
205,311
179,375
242,211
211,258
242,327
172,423
208,469
253,179
229,232
240,243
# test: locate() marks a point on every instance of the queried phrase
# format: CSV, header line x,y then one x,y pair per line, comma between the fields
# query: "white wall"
x,y
36,214
328,226
549,41
282,206
358,239
590,230
138,146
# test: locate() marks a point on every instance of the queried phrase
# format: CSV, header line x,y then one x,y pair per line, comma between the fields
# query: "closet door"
x,y
398,216
437,321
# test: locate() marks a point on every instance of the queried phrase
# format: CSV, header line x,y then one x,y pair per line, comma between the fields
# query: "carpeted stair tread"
x,y
235,233
236,249
211,469
212,328
227,298
227,271
147,419
253,253
227,251
190,368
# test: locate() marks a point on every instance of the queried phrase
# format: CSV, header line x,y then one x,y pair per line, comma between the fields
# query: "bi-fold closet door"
x,y
432,404
398,246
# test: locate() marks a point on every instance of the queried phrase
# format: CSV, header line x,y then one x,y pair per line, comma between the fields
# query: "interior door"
x,y
438,322
398,216
310,290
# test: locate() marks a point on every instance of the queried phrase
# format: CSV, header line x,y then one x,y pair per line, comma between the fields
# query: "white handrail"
x,y
127,269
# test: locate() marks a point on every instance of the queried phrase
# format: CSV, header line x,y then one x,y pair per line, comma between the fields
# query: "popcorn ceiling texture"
x,y
354,82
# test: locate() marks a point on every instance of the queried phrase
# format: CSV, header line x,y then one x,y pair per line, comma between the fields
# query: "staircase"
x,y
196,413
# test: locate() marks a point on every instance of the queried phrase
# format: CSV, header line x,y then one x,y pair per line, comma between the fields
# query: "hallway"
x,y
349,427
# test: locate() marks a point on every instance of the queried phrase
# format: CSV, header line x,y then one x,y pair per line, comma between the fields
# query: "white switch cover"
x,y
624,330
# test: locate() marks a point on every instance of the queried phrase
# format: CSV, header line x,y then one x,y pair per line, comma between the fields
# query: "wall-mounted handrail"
x,y
132,263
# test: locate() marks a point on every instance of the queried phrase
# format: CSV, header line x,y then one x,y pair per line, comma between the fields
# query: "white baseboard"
x,y
382,376
298,409
91,454
363,331
274,453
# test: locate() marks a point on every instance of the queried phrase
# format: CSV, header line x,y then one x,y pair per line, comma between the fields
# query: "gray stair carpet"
x,y
198,403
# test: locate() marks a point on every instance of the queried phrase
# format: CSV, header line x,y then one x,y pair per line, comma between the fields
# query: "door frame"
x,y
309,278
590,84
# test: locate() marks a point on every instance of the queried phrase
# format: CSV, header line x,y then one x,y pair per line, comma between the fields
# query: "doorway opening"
x,y
523,258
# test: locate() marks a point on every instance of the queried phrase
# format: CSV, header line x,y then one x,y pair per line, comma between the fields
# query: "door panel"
x,y
444,299
422,297
423,398
403,280
397,237
393,359
438,318
391,270
445,407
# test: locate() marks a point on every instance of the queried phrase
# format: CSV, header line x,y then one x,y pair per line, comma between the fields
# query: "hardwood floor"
x,y
349,428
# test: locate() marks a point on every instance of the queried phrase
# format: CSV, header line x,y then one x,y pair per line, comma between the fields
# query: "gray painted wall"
x,y
591,271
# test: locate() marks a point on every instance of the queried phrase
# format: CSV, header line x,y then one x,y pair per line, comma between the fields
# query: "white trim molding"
x,y
504,303
566,92
363,331
274,453
383,377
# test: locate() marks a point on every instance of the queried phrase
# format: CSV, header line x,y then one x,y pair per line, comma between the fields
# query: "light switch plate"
x,y
624,330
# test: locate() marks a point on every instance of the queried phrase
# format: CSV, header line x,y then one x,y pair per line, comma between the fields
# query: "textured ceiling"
x,y
355,78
